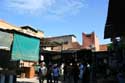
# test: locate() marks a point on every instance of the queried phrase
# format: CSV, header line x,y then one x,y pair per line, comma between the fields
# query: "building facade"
x,y
23,45
65,42
90,40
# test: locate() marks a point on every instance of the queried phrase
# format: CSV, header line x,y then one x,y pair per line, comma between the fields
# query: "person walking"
x,y
81,69
42,72
55,73
75,72
49,74
65,71
86,74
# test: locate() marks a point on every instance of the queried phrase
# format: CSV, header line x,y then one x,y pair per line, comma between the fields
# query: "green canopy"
x,y
25,48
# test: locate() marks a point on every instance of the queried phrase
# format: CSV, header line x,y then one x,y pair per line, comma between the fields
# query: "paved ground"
x,y
30,80
27,80
35,80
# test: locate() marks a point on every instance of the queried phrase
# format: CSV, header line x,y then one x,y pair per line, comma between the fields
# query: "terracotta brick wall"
x,y
87,40
103,47
90,39
30,72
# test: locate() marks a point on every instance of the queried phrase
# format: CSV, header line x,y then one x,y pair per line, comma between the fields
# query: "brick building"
x,y
89,40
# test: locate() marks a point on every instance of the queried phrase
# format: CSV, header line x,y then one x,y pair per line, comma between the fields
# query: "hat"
x,y
42,63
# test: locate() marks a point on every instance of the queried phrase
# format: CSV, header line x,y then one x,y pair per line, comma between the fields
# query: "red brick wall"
x,y
87,40
103,47
90,39
30,72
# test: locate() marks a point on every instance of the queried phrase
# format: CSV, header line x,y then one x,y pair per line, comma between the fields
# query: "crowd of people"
x,y
66,73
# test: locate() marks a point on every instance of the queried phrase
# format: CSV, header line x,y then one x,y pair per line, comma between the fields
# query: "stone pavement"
x,y
30,80
35,80
27,80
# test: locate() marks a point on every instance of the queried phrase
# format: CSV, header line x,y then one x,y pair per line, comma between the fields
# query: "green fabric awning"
x,y
25,48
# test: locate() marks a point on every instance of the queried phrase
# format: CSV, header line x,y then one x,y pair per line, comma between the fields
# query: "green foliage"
x,y
120,46
110,46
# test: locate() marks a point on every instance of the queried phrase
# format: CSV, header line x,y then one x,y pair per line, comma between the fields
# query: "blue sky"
x,y
58,17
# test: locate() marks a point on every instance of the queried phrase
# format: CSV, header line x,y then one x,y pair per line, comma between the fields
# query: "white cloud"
x,y
28,6
48,7
68,7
